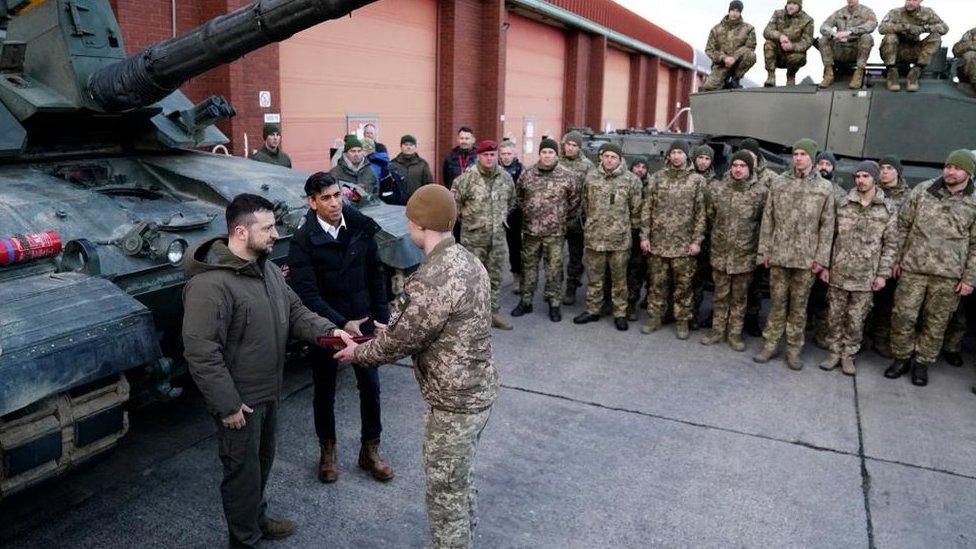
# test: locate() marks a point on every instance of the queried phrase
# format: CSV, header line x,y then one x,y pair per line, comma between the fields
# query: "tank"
x,y
102,191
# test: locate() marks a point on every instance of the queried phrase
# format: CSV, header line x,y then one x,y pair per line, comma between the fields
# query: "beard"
x,y
260,249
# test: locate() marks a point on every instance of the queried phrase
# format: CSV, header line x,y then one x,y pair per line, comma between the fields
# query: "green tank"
x,y
102,191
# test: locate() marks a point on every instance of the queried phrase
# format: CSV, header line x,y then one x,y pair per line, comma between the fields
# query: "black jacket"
x,y
456,163
341,283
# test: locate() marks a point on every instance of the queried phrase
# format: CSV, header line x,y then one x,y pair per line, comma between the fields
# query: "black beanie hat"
x,y
735,5
745,156
270,128
639,159
679,144
892,161
548,143
869,167
751,145
408,139
829,157
612,147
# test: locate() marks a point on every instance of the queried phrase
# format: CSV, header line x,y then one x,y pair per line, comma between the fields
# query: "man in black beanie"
x,y
896,190
271,152
732,48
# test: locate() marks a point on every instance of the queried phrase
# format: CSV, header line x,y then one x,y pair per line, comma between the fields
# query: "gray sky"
x,y
691,20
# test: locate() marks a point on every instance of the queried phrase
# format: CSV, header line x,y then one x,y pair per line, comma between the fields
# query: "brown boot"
x,y
828,77
770,79
712,337
830,362
328,473
857,80
272,529
893,84
766,354
735,342
911,81
369,460
497,321
847,365
793,359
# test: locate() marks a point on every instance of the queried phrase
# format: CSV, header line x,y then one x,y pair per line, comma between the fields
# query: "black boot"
x,y
621,323
751,326
920,374
585,317
898,368
954,359
555,314
522,308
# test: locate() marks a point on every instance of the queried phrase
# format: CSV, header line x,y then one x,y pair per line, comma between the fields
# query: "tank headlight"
x,y
176,251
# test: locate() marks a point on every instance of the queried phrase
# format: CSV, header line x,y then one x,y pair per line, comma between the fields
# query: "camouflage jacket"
x,y
735,214
966,44
443,320
612,206
865,242
547,197
862,21
730,38
483,203
798,28
898,193
764,174
911,24
798,221
582,166
673,215
937,232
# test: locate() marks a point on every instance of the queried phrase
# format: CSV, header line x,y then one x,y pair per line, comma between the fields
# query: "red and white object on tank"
x,y
21,248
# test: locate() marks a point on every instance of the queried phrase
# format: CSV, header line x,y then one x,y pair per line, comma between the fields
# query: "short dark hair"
x,y
466,129
318,182
241,210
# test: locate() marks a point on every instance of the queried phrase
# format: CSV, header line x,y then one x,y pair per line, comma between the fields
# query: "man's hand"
x,y
964,289
380,327
896,271
824,276
784,40
348,353
878,284
842,36
816,267
353,326
766,262
729,61
645,246
694,249
787,47
237,421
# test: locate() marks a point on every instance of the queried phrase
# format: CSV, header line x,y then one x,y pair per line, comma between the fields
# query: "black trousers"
x,y
513,234
324,372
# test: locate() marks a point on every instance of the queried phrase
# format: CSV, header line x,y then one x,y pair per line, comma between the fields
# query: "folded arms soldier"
x,y
903,43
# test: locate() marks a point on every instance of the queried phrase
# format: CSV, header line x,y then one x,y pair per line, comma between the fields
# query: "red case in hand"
x,y
332,341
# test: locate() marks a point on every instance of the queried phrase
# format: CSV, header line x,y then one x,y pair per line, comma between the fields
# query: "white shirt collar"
x,y
329,229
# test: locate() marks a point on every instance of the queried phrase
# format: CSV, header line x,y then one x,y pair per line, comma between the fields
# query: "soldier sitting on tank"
x,y
902,43
965,53
271,152
846,38
732,49
788,35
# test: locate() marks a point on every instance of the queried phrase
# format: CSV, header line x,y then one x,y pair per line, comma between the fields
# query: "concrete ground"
x,y
599,439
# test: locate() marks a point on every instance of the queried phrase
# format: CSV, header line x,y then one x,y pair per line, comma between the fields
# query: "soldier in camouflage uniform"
x,y
788,35
637,263
794,243
612,206
574,159
865,242
846,37
485,195
442,322
760,278
902,43
734,207
965,54
732,48
896,191
702,159
817,304
547,194
936,263
672,229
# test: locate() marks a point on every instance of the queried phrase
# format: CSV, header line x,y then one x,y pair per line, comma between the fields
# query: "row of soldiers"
x,y
911,252
845,37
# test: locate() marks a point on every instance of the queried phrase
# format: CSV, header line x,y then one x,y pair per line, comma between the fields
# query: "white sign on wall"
x,y
264,99
272,118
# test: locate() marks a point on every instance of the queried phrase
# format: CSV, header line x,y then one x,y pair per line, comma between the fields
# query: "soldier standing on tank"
x,y
442,322
865,242
794,243
732,48
612,205
637,263
546,194
672,229
788,35
271,152
902,43
896,191
936,264
734,206
574,159
703,158
485,195
965,53
846,38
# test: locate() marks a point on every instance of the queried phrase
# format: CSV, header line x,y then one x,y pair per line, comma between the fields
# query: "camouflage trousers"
x,y
966,67
680,273
857,53
450,444
492,256
896,49
789,290
716,78
574,257
550,250
935,298
731,295
776,58
956,330
845,320
596,266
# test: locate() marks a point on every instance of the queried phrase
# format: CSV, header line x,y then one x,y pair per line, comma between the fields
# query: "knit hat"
x,y
486,145
611,147
351,142
639,159
432,207
679,144
408,139
269,129
703,150
735,5
828,156
869,167
797,2
750,144
575,137
807,145
548,143
368,144
962,159
745,156
893,161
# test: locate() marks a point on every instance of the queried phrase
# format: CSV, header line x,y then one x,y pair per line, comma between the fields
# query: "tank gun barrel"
x,y
157,71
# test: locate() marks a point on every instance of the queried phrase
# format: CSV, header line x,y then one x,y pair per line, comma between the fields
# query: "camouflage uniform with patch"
x,y
612,206
880,320
799,29
443,322
937,252
547,197
673,217
865,243
903,44
729,39
582,166
965,53
483,202
860,23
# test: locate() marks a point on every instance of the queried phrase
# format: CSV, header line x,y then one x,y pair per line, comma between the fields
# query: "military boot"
x,y
793,359
651,325
828,77
952,358
497,321
847,365
920,374
681,329
911,81
898,368
883,348
790,78
369,460
555,313
892,77
522,309
766,354
711,338
770,79
857,80
273,529
328,473
830,362
570,297
736,343
752,326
